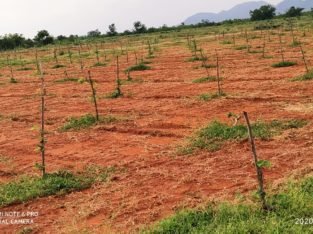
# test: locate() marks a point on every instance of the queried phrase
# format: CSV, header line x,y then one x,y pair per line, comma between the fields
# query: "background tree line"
x,y
13,41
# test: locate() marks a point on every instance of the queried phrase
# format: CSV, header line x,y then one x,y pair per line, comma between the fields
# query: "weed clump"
x,y
284,64
307,76
67,80
57,66
205,79
213,136
196,58
13,80
242,47
25,69
85,121
138,67
207,96
99,64
60,182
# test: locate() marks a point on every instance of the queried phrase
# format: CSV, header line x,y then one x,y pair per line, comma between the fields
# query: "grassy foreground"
x,y
292,212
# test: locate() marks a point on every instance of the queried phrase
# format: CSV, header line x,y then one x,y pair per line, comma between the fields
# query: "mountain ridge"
x,y
241,11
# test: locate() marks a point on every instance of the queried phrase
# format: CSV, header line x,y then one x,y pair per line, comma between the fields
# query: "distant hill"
x,y
242,11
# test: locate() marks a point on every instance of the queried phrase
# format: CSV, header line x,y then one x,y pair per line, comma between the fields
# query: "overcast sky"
x,y
80,16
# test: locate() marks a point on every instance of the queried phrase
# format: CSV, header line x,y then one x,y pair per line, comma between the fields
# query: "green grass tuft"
x,y
226,42
242,47
295,44
138,67
209,96
31,187
291,205
99,64
25,69
307,76
115,94
58,66
61,182
205,79
13,80
213,136
67,80
85,121
196,58
208,65
284,64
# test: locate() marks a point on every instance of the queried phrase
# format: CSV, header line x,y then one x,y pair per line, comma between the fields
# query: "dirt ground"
x,y
158,113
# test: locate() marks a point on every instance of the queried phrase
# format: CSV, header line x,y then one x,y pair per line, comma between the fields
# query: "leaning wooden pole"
x,y
257,167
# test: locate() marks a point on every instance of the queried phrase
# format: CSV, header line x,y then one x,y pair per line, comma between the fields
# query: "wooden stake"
x,y
281,48
94,96
204,62
42,129
258,169
55,56
218,74
304,60
118,82
263,51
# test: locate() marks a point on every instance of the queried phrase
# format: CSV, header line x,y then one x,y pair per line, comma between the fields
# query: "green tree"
x,y
139,27
61,38
294,12
43,38
112,30
11,41
263,13
94,33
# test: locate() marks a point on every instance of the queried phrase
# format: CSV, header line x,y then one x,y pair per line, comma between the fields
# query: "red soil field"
x,y
158,115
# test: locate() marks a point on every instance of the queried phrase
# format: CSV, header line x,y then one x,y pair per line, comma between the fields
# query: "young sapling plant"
x,y
42,142
94,94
